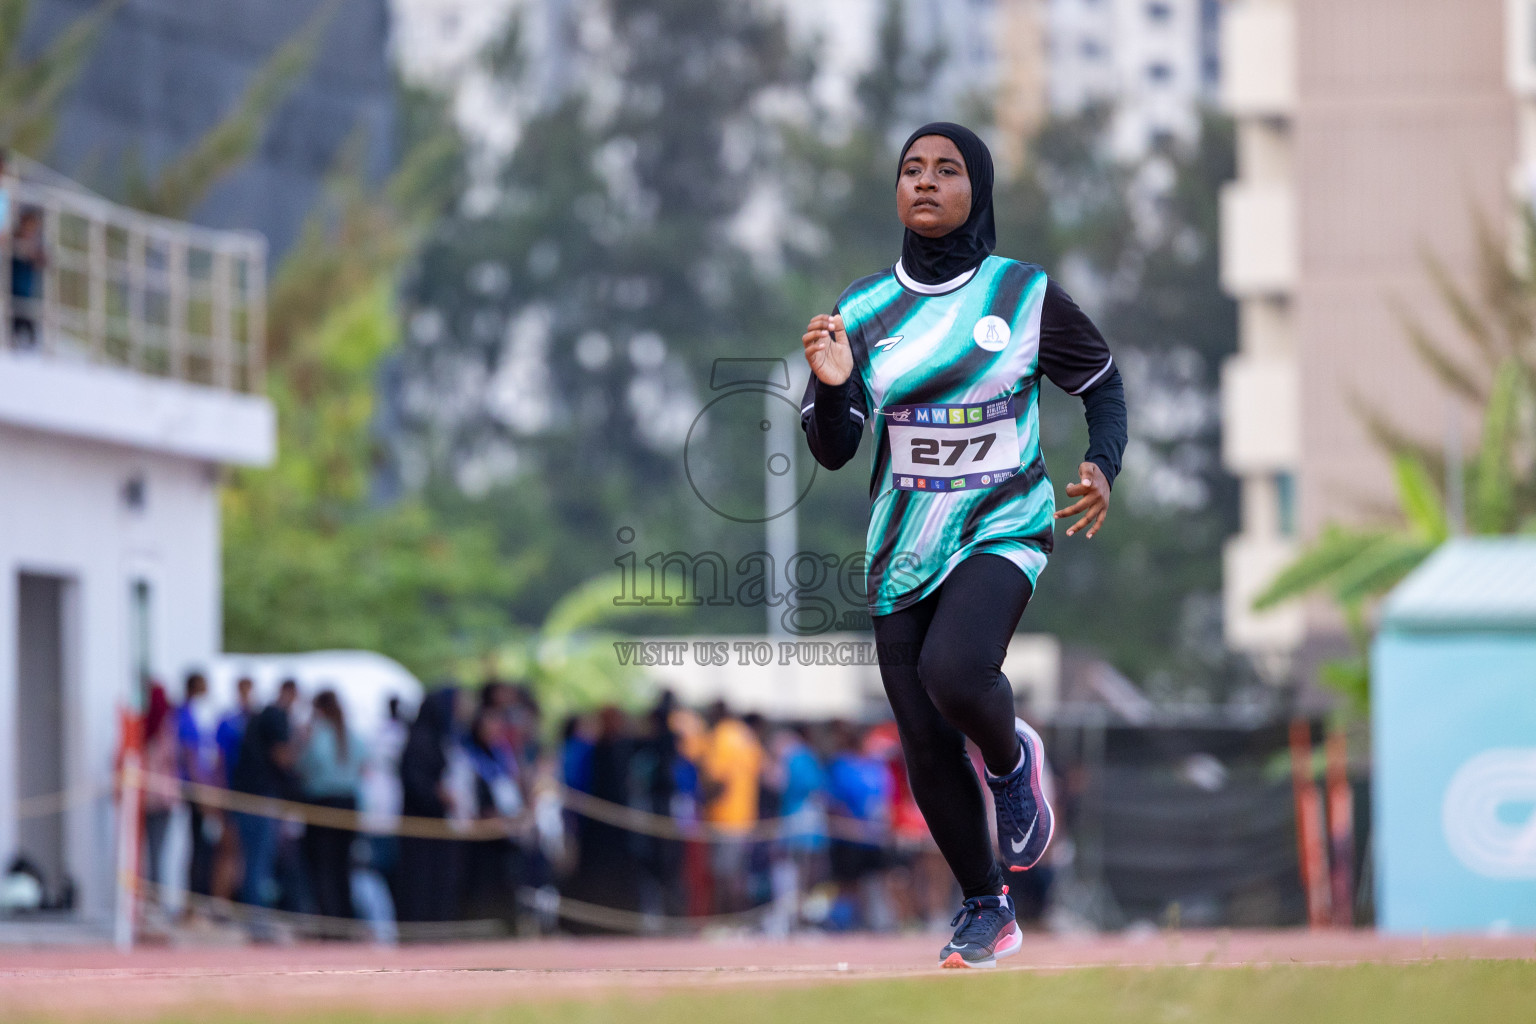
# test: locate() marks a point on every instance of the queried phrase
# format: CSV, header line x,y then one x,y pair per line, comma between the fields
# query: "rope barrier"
x,y
576,911
631,819
56,803
635,922
322,926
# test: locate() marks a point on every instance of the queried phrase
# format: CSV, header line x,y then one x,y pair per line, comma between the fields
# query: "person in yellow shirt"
x,y
730,769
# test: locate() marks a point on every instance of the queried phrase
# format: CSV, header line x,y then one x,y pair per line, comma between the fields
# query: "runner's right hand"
x,y
826,349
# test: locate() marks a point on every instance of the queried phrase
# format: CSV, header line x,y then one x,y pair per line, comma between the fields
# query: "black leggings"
x,y
941,661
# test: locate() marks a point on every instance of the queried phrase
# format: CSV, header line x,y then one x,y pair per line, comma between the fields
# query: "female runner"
x,y
943,355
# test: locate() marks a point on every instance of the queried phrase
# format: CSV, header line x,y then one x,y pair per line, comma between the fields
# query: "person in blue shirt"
x,y
197,760
858,790
231,731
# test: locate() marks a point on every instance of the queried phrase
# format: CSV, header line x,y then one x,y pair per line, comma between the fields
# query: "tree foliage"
x,y
311,560
562,336
613,241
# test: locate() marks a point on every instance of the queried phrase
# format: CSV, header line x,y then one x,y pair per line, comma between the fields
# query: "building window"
x,y
1160,73
1159,11
140,648
1530,27
1285,504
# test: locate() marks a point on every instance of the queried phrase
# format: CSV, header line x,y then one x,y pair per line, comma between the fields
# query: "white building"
x,y
1153,62
136,382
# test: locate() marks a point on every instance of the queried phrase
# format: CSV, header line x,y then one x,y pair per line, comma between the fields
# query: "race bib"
x,y
952,447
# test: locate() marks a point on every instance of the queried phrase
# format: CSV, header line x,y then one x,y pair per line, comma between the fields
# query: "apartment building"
x,y
1368,133
1154,62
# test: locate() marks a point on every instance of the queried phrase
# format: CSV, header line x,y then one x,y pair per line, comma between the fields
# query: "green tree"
x,y
563,339
311,560
842,186
1145,593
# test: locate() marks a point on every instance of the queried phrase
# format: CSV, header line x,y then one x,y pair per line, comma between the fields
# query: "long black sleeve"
x,y
1075,356
1104,406
832,417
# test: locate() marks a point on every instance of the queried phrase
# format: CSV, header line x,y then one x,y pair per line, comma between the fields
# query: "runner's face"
x,y
933,193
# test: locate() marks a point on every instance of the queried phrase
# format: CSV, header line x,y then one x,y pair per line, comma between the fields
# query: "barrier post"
x,y
130,806
1341,831
1309,827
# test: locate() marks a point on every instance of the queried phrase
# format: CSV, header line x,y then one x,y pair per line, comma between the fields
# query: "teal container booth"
x,y
1453,722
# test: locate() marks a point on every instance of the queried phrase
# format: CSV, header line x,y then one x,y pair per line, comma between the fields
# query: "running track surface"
x,y
93,984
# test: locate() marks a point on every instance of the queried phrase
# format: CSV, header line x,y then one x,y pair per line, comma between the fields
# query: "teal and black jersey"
x,y
948,376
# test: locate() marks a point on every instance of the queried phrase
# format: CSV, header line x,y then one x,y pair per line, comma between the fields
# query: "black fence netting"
x,y
1190,825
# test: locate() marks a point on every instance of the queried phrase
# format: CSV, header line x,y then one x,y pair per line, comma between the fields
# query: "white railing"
x,y
124,288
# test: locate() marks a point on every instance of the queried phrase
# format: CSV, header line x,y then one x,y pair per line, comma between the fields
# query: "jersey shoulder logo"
x,y
992,333
885,343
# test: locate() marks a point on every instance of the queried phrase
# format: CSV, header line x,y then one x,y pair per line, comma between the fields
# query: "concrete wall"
x,y
1405,129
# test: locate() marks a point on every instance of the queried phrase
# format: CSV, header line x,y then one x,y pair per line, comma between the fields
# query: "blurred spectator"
x,y
430,871
654,781
376,855
228,736
379,797
159,760
264,767
801,782
731,772
858,787
330,771
576,739
491,866
29,257
688,806
197,761
921,884
527,726
231,730
606,871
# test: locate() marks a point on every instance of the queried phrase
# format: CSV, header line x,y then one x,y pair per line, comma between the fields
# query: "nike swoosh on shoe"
x,y
1019,844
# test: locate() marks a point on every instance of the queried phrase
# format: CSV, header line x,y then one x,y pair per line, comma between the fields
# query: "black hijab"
x,y
935,260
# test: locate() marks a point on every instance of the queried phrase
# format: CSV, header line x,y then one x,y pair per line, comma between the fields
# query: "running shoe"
x,y
987,931
1024,819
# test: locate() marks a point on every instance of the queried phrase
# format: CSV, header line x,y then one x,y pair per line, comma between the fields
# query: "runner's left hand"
x,y
1092,492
